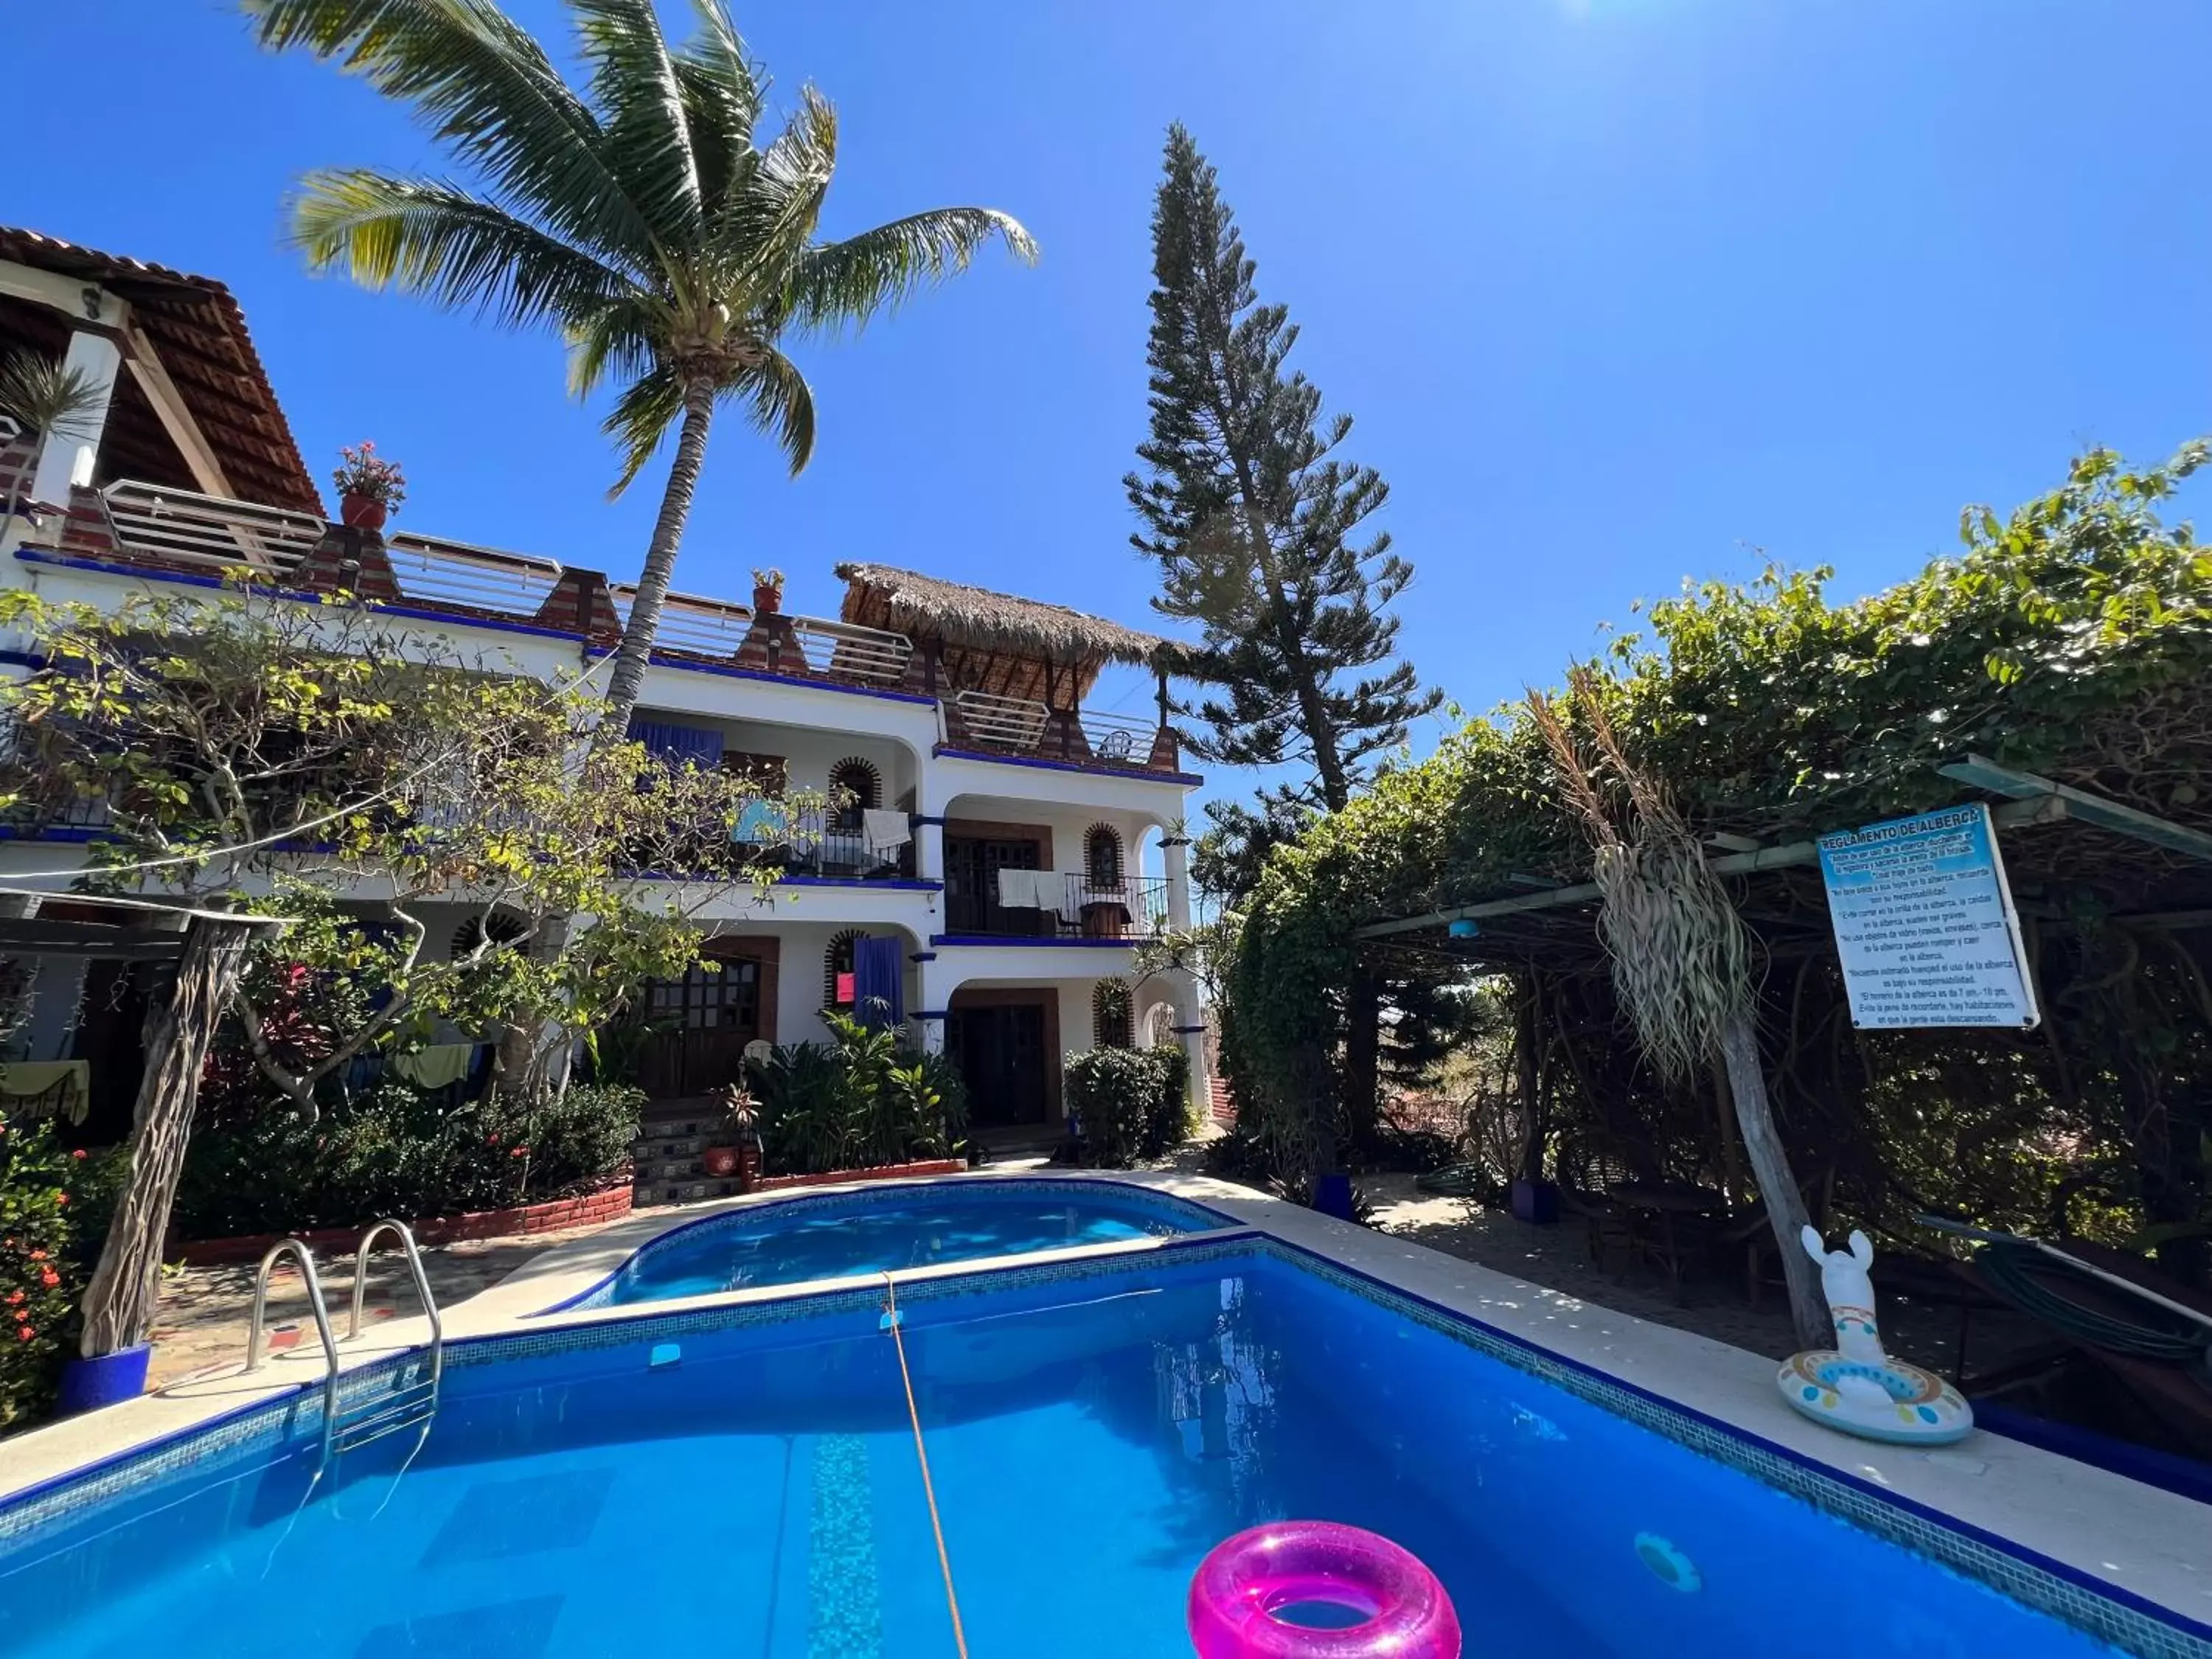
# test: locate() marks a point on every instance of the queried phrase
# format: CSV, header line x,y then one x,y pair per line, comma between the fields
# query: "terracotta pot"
x,y
363,512
720,1161
766,600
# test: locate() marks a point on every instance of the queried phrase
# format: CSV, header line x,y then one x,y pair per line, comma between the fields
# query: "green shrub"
x,y
39,1274
1130,1104
861,1101
399,1151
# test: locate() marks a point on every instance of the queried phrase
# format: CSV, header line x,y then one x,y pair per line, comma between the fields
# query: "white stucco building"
x,y
953,718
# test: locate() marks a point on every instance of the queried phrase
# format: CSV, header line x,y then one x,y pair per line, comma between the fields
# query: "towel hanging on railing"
x,y
884,830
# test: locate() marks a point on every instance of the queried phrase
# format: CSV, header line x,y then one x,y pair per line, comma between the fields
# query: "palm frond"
x,y
52,400
440,241
623,339
646,141
486,88
722,95
840,284
640,418
763,229
780,403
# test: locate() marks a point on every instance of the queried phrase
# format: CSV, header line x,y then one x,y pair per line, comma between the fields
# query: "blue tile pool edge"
x,y
2098,1608
883,1194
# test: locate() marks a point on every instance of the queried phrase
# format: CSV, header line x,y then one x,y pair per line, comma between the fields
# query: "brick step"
x,y
683,1191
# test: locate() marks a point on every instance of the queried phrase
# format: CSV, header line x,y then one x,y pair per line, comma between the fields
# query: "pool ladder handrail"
x,y
296,1247
414,1403
405,1406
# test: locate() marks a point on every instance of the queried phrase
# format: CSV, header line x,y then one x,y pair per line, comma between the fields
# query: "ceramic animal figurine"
x,y
1855,1386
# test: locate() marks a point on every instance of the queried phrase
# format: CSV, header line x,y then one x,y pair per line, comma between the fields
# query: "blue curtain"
x,y
678,744
880,981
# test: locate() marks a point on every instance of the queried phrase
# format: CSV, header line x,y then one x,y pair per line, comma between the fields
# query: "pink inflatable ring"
x,y
1247,1580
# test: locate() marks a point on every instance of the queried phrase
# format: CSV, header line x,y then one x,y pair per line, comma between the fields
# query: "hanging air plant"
x,y
1682,956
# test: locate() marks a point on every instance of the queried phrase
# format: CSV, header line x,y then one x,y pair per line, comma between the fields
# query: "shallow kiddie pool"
x,y
743,1480
843,1234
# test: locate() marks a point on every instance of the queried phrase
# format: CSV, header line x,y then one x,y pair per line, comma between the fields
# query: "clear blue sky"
x,y
1618,290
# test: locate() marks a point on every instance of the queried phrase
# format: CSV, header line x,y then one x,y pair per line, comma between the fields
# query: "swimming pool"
x,y
741,1481
885,1228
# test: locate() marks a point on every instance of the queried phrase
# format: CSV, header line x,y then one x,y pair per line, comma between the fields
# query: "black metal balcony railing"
x,y
1081,906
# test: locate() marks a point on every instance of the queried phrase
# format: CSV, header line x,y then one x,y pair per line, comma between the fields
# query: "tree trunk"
x,y
1778,1187
1362,1055
652,582
119,1304
1527,1026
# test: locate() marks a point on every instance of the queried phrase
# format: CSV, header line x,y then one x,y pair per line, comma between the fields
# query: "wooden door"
x,y
971,888
709,1017
1000,1053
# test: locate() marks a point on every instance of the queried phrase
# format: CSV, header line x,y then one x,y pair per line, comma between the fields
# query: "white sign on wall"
x,y
1925,923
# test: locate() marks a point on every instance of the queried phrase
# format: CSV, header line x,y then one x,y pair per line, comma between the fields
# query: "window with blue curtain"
x,y
699,744
880,981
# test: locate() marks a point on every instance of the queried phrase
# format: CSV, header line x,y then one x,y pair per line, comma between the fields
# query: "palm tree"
x,y
637,216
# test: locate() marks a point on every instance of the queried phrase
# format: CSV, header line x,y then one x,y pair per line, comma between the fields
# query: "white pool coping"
x,y
2141,1539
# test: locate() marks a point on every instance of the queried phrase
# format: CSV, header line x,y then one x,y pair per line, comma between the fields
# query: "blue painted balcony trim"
x,y
1043,942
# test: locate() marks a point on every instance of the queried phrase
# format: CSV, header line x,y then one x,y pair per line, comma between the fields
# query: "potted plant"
x,y
768,592
369,487
744,1113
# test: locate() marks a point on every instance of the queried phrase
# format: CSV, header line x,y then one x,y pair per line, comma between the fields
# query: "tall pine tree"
x,y
1256,527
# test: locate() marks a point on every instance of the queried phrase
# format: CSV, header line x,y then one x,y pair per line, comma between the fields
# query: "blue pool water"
x,y
1092,1436
868,1233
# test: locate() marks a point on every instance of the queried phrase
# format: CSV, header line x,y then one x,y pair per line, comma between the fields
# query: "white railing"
x,y
1008,723
846,651
177,526
1121,739
689,622
431,570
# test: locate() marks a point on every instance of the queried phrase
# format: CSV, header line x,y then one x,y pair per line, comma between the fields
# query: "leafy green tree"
x,y
1256,526
639,217
250,754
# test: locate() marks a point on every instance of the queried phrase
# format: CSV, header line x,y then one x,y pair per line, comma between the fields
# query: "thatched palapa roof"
x,y
995,642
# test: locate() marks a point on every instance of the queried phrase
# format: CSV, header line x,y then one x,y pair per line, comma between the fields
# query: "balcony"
x,y
1022,728
1082,907
206,535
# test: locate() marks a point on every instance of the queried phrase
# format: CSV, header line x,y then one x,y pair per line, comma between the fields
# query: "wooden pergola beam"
x,y
2080,805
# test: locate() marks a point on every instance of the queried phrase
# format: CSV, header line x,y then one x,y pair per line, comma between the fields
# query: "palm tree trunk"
x,y
659,565
119,1303
1778,1187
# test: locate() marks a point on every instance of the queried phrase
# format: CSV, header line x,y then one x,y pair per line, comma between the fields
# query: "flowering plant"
x,y
37,1271
768,577
369,475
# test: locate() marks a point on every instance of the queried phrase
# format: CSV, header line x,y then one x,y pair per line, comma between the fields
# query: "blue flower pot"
x,y
1536,1201
112,1378
1332,1196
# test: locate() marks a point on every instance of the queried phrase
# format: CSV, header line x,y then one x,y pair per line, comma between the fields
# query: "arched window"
x,y
1102,855
504,926
1159,1024
1112,1023
837,970
855,786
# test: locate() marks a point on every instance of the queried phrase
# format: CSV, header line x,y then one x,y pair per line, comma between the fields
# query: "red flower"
x,y
50,1279
78,1154
24,1333
519,1152
38,1255
61,1198
14,1299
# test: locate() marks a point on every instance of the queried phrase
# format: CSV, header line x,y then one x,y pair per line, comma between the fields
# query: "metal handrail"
x,y
406,1236
296,1247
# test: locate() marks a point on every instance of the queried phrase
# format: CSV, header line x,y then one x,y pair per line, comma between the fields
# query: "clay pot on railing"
x,y
766,600
363,512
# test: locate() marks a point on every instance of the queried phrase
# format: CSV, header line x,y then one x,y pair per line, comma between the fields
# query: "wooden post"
x,y
1778,1187
119,1303
1528,1024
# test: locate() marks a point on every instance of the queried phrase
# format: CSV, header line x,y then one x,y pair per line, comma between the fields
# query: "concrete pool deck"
x,y
2138,1539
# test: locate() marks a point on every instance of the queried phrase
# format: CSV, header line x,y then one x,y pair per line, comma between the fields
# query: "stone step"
x,y
690,1190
